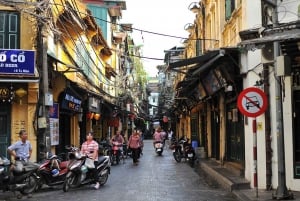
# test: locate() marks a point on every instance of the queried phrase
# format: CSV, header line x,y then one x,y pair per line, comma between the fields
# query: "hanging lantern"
x,y
97,116
92,115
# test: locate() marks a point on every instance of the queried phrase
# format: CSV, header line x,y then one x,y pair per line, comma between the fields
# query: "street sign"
x,y
252,102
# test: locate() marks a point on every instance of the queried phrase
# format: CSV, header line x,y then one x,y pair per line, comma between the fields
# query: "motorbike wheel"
x,y
31,185
40,183
191,162
70,181
177,156
103,179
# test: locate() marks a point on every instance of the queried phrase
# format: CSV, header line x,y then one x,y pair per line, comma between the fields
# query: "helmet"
x,y
55,172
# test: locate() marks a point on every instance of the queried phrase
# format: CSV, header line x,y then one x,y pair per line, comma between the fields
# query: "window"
x,y
229,8
9,30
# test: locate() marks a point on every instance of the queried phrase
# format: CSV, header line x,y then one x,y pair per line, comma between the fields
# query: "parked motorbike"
x,y
183,149
24,182
52,171
79,172
159,147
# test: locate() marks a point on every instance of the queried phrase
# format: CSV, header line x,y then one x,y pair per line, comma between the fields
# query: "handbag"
x,y
89,163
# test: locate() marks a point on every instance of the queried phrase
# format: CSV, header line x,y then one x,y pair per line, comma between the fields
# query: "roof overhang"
x,y
276,37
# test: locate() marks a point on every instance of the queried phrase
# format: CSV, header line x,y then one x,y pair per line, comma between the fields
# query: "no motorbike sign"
x,y
252,102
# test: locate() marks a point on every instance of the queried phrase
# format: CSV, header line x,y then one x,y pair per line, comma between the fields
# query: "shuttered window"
x,y
9,30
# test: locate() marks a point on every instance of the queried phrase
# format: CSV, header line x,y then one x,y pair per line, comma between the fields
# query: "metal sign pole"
x,y
254,129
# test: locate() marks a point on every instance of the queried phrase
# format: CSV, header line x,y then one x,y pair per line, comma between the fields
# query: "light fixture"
x,y
20,94
189,27
194,7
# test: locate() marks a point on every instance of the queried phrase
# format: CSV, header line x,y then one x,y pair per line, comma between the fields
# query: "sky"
x,y
167,17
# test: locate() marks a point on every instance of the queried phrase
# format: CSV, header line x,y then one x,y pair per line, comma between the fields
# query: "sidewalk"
x,y
238,185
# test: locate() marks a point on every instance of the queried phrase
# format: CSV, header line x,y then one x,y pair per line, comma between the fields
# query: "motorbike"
x,y
117,149
24,182
52,171
159,147
79,170
183,149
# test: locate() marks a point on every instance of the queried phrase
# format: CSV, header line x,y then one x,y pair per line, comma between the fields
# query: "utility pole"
x,y
281,191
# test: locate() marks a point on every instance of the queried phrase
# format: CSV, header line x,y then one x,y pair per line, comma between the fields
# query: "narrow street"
x,y
156,178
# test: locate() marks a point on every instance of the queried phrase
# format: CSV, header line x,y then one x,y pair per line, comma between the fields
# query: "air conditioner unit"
x,y
267,53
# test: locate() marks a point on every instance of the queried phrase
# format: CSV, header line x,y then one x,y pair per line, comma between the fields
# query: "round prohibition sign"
x,y
252,102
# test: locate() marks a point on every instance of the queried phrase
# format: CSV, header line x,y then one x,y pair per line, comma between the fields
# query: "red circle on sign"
x,y
252,97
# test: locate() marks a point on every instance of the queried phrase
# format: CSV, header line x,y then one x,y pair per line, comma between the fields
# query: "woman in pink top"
x,y
134,145
90,147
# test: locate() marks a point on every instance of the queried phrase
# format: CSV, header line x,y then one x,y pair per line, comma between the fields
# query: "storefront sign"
x,y
17,62
94,104
70,102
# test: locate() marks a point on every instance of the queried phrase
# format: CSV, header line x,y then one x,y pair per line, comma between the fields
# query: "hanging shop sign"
x,y
71,102
94,104
19,62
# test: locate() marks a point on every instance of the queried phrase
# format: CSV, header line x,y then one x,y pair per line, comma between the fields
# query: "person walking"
x,y
141,142
90,147
134,146
170,136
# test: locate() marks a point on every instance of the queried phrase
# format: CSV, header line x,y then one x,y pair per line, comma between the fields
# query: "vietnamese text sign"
x,y
17,61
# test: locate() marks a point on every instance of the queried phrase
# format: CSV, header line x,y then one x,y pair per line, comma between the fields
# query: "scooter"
x,y
117,148
79,170
159,147
183,149
52,171
24,182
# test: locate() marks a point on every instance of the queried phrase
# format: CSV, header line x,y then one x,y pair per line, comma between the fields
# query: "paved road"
x,y
156,178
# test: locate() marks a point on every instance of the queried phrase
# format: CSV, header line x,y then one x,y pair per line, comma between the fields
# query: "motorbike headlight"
x,y
78,155
75,165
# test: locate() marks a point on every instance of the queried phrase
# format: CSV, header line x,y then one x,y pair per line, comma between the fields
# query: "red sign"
x,y
252,102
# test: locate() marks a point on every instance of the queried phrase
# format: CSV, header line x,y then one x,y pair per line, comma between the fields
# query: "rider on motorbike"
x,y
90,148
118,138
157,136
21,151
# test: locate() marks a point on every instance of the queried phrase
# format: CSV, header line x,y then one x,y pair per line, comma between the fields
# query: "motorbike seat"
x,y
101,159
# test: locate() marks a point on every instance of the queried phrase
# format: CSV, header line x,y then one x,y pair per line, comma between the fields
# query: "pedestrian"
x,y
134,146
90,147
21,151
141,142
170,136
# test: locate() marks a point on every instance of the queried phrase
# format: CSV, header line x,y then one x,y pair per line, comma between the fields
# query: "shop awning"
x,y
195,60
191,87
282,36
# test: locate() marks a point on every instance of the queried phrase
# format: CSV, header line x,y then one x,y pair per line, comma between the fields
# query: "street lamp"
x,y
189,27
194,7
